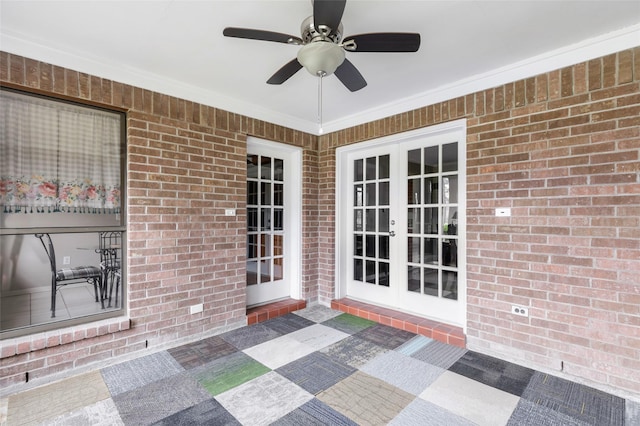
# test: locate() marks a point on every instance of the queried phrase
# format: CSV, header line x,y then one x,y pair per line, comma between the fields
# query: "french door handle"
x,y
392,233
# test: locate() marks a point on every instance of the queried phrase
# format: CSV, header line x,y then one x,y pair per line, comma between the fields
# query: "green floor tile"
x,y
233,374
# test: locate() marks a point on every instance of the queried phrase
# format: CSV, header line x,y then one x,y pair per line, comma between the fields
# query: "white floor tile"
x,y
477,402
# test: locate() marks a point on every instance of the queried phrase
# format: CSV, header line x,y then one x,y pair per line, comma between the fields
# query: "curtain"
x,y
58,157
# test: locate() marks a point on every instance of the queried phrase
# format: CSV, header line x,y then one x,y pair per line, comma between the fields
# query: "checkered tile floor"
x,y
318,367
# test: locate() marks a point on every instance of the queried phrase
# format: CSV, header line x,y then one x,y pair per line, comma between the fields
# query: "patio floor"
x,y
317,366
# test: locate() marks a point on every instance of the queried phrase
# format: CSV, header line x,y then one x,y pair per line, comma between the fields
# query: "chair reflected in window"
x,y
77,274
110,264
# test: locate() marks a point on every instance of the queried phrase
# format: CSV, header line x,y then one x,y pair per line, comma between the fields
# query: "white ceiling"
x,y
176,47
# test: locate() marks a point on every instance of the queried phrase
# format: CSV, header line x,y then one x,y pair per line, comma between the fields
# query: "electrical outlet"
x,y
520,310
66,260
194,309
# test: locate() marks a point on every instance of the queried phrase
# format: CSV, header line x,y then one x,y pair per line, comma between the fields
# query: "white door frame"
x,y
343,197
293,208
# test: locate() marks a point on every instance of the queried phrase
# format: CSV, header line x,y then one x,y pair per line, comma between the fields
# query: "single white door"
x,y
273,221
400,233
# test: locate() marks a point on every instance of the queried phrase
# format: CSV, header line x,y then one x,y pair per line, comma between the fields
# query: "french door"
x,y
273,221
401,227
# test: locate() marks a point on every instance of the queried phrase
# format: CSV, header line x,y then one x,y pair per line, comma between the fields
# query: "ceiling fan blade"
x,y
349,75
328,13
261,35
286,72
384,42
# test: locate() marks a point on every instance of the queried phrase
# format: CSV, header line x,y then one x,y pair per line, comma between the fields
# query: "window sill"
x,y
63,336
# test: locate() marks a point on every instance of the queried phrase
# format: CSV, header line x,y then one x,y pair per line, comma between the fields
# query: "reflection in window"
x,y
61,168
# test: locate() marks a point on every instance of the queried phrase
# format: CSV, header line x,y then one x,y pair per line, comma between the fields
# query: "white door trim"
x,y
293,211
343,196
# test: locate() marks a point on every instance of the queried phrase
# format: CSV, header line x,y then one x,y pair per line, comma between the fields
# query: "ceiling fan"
x,y
322,50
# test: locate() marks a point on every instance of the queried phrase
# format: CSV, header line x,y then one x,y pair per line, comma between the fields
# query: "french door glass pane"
x,y
413,221
431,251
383,193
358,195
371,271
450,157
383,247
384,171
431,163
265,219
252,193
371,194
383,274
252,166
432,236
370,220
431,220
278,171
278,245
450,189
278,219
450,285
413,162
357,245
265,169
278,268
431,282
252,272
413,277
413,249
450,253
371,168
357,270
414,191
252,246
358,174
371,200
358,220
431,190
383,220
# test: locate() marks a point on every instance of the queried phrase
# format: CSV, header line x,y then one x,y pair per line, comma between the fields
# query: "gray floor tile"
x,y
139,372
314,413
315,372
209,413
404,372
160,399
288,323
439,354
424,413
581,402
385,336
264,399
494,372
246,337
354,351
317,313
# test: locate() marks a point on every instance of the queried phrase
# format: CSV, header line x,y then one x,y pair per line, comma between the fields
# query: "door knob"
x,y
392,233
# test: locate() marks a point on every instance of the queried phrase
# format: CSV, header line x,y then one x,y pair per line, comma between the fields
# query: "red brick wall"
x,y
186,165
562,150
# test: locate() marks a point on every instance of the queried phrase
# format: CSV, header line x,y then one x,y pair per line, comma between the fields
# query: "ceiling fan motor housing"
x,y
310,33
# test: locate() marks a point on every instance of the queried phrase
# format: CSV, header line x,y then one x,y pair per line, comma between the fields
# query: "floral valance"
x,y
58,157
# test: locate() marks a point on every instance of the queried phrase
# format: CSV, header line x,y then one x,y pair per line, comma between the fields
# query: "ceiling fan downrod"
x,y
321,74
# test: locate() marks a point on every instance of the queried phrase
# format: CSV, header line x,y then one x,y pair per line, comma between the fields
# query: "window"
x,y
61,194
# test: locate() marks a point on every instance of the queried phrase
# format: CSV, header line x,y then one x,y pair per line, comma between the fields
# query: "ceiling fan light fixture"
x,y
321,57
